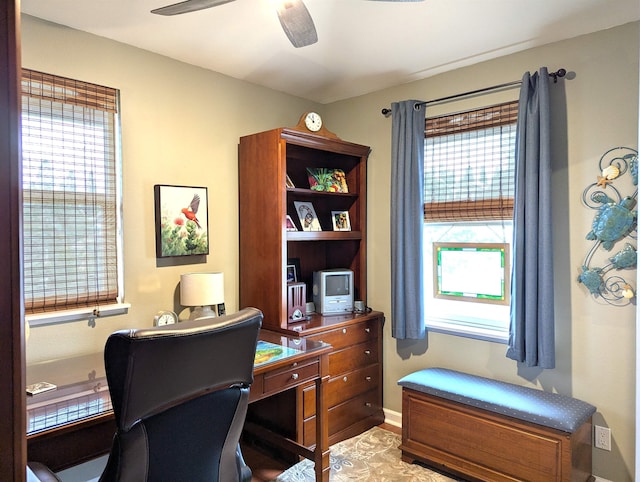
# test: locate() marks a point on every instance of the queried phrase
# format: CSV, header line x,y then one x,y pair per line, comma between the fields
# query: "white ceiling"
x,y
363,46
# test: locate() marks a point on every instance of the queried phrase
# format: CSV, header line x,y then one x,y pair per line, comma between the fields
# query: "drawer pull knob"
x,y
294,364
294,376
368,330
344,331
367,352
368,379
344,379
367,404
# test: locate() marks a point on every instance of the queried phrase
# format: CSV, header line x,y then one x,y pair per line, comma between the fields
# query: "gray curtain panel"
x,y
531,332
407,200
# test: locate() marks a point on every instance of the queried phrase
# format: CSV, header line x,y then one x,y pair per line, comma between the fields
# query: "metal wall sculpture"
x,y
614,226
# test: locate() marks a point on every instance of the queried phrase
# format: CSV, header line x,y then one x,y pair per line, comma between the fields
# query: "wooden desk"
x,y
75,422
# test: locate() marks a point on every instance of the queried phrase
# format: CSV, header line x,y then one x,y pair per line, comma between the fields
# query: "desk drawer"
x,y
352,358
349,335
290,376
342,388
344,415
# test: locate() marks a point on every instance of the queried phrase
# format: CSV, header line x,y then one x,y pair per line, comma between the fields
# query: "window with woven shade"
x,y
468,208
71,194
469,164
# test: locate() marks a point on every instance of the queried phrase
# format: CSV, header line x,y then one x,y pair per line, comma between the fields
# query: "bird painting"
x,y
181,228
191,210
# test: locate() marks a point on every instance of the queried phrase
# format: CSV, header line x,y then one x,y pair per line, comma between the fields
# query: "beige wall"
x,y
181,125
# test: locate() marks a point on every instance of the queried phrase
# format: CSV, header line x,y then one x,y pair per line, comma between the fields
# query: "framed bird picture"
x,y
182,221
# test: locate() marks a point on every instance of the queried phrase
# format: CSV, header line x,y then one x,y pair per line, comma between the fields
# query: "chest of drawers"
x,y
354,391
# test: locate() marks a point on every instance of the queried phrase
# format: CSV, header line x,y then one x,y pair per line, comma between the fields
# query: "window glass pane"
x,y
470,166
454,316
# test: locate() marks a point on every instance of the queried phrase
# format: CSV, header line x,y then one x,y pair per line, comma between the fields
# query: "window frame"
x,y
491,212
50,99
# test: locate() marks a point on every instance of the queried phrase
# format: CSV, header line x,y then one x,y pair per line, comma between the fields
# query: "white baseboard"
x,y
600,479
395,418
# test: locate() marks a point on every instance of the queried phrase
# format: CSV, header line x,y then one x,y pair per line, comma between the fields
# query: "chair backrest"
x,y
180,395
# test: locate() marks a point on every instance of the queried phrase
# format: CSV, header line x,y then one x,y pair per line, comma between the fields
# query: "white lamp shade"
x,y
201,289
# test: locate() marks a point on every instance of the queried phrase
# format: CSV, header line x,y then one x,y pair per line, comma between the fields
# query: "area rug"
x,y
373,455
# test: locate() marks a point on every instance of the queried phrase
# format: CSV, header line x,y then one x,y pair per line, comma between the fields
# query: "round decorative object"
x,y
163,318
313,121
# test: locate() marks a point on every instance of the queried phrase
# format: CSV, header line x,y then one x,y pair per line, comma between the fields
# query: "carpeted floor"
x,y
372,455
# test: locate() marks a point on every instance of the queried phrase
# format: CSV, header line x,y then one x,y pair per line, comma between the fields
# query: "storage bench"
x,y
494,431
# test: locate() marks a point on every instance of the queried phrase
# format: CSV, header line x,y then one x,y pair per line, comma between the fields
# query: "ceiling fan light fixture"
x,y
297,23
293,15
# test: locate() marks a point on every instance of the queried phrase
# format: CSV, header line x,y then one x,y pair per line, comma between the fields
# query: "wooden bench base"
x,y
484,445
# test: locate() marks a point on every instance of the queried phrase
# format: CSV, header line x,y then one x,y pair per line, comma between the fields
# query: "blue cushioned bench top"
x,y
536,406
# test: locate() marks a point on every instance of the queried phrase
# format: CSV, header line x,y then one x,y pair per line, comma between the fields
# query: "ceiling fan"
x,y
293,14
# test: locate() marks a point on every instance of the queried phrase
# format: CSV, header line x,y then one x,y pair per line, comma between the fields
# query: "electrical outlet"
x,y
602,436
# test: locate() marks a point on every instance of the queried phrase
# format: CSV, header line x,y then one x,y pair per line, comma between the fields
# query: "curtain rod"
x,y
559,73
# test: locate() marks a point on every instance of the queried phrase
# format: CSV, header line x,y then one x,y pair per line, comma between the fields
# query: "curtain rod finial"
x,y
559,73
386,112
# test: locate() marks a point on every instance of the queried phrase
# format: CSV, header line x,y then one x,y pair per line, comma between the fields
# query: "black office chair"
x,y
180,395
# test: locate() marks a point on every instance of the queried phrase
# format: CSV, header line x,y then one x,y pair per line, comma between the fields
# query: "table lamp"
x,y
203,291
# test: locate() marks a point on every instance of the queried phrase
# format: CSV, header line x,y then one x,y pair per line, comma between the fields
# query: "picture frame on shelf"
x,y
182,220
307,215
295,262
340,220
292,275
327,180
289,183
290,224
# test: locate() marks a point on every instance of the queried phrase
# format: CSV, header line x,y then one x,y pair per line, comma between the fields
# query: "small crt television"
x,y
333,291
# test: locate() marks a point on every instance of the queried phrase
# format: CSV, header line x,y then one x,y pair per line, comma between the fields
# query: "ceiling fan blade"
x,y
188,6
297,23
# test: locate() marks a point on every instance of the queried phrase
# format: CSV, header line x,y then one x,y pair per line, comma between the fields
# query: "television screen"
x,y
337,284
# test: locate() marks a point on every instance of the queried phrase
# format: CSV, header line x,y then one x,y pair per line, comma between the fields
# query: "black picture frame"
x,y
292,275
182,220
295,262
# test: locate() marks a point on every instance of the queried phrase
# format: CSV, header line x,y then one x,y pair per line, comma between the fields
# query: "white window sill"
x,y
77,314
467,329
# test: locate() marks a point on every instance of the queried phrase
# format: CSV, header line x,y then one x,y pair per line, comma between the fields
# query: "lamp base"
x,y
202,312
